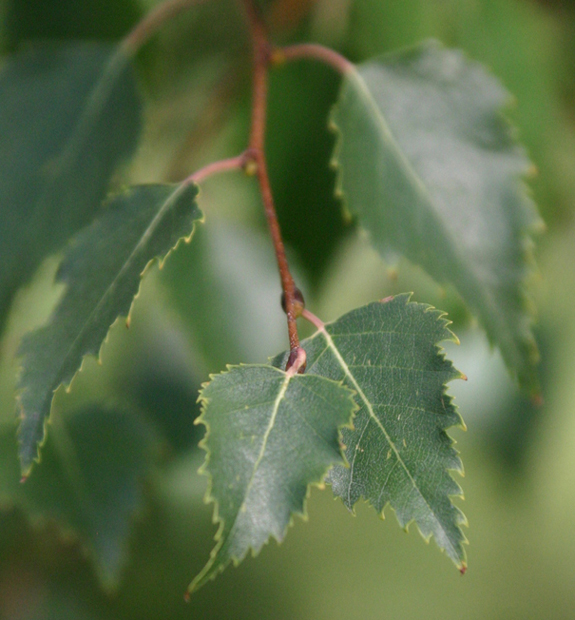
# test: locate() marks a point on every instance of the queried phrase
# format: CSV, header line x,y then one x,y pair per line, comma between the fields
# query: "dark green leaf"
x,y
28,20
398,450
68,116
431,168
102,272
91,481
298,152
270,436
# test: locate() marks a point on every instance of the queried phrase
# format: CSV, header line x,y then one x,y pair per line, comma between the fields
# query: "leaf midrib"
x,y
263,447
331,345
222,536
375,112
144,238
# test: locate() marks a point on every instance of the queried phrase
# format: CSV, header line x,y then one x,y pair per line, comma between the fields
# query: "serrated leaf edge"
x,y
161,261
198,581
534,227
449,336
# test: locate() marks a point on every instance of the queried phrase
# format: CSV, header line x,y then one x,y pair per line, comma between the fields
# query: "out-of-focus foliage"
x,y
42,20
69,116
102,274
520,495
449,199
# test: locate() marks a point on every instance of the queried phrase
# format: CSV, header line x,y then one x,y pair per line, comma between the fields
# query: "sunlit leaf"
x,y
270,436
430,166
68,116
398,451
102,272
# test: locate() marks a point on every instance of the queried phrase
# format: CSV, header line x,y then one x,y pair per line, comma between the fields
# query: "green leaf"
x,y
230,279
102,272
68,116
398,450
91,481
430,166
270,435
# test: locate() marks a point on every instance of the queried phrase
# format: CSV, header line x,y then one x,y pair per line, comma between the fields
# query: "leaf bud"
x,y
299,303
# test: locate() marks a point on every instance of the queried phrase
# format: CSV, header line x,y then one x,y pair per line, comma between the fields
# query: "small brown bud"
x,y
299,303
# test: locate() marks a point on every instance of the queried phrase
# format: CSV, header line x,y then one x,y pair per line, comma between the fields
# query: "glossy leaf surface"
x,y
102,272
431,168
398,451
270,436
68,116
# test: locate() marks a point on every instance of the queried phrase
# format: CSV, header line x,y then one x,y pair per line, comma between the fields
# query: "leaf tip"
x,y
463,568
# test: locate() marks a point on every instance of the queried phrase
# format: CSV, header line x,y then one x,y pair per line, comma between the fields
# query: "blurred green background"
x,y
217,301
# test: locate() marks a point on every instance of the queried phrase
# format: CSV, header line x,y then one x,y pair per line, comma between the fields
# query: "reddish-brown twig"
x,y
261,61
313,51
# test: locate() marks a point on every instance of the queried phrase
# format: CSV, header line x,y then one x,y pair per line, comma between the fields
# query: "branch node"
x,y
277,57
296,362
298,303
251,167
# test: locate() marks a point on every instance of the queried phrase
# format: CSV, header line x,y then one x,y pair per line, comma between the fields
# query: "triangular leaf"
x,y
102,272
430,166
398,450
270,436
91,481
68,115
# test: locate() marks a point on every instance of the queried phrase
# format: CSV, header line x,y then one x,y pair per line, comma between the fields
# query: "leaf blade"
x,y
69,114
102,271
259,487
399,452
432,170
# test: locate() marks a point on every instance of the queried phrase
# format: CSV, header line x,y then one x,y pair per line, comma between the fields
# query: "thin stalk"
x,y
313,51
223,165
261,61
313,319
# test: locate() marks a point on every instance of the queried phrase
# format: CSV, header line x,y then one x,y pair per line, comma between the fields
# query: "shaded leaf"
x,y
68,116
298,153
101,271
229,277
398,450
430,166
270,435
29,20
90,482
